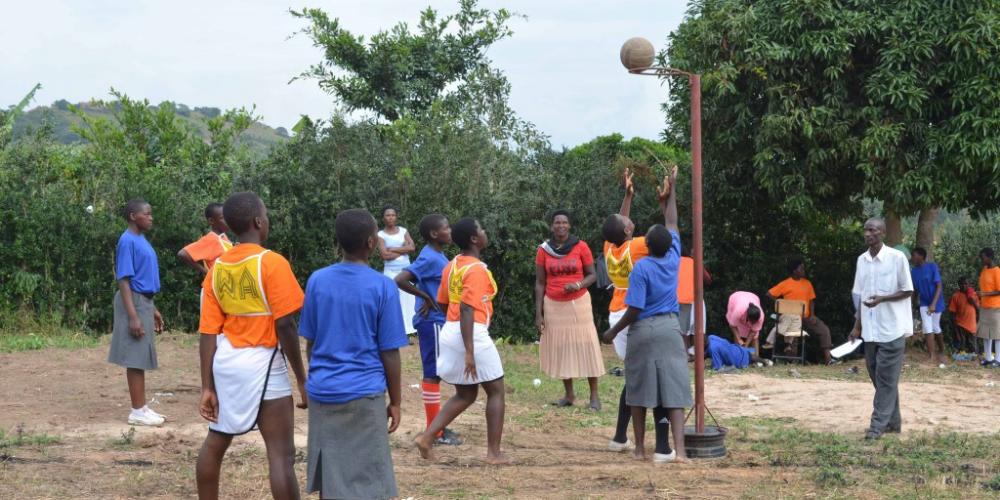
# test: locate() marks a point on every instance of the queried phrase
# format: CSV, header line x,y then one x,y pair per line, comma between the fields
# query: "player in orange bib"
x,y
621,252
249,301
467,357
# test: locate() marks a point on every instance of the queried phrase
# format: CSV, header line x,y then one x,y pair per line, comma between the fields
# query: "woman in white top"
x,y
395,247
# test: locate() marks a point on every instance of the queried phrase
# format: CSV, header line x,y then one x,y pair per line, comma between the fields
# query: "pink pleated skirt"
x,y
569,347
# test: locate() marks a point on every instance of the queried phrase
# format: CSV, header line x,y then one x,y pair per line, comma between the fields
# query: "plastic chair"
x,y
797,308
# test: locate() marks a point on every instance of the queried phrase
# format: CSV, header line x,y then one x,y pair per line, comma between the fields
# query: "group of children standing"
x,y
349,315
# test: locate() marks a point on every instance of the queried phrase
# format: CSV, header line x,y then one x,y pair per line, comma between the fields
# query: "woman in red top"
x,y
569,348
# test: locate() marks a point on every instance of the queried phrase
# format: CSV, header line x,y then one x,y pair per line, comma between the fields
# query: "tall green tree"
x,y
822,102
398,72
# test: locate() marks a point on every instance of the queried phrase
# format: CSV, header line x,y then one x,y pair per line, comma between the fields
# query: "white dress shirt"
x,y
885,274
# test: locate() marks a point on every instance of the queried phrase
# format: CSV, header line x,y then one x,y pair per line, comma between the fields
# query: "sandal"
x,y
562,403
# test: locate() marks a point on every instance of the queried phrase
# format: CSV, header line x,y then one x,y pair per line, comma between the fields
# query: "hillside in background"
x,y
259,137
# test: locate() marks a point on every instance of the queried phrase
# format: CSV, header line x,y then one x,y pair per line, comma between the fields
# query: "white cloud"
x,y
562,61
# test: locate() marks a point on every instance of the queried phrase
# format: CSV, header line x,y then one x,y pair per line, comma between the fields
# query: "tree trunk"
x,y
925,230
893,228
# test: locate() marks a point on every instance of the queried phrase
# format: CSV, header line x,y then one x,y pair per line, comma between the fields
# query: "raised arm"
x,y
667,195
629,192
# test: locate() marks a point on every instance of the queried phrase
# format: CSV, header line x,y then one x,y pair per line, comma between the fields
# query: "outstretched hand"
x,y
669,181
629,185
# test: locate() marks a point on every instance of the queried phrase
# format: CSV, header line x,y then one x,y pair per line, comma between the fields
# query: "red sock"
x,y
432,401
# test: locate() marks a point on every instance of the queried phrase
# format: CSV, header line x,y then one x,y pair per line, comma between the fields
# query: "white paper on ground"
x,y
845,349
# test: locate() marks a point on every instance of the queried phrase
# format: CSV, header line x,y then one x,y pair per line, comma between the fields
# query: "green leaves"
x,y
892,94
397,72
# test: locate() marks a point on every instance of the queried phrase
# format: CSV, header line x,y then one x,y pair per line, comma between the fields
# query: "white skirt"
x,y
244,378
407,303
451,355
621,340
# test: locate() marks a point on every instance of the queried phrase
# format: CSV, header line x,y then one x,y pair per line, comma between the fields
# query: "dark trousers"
x,y
885,361
818,329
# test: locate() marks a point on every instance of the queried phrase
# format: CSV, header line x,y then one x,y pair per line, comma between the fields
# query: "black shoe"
x,y
873,435
449,438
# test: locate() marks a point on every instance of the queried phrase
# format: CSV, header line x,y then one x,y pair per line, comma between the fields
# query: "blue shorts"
x,y
427,332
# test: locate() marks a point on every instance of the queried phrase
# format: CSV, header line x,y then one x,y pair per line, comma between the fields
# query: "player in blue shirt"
x,y
656,373
724,353
422,279
136,319
927,283
352,340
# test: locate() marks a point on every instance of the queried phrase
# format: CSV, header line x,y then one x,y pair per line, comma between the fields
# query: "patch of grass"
x,y
992,484
521,369
124,442
10,342
920,465
19,438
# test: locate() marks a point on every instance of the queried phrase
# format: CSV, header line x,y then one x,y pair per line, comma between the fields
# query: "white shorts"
x,y
278,385
621,341
245,376
931,322
451,355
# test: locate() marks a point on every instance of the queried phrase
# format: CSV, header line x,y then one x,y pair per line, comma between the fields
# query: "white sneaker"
x,y
140,417
617,447
659,458
150,411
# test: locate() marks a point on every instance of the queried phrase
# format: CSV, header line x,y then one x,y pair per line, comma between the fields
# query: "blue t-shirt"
x,y
724,352
135,259
351,314
652,286
925,280
426,271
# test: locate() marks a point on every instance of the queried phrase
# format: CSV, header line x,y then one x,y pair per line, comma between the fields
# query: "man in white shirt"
x,y
883,321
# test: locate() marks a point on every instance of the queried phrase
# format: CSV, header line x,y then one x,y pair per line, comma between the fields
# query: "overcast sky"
x,y
562,60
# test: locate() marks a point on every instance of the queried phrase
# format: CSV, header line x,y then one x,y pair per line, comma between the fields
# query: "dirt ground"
x,y
76,396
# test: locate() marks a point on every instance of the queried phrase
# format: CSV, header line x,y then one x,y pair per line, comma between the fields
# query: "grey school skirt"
x,y
349,450
656,367
126,350
989,323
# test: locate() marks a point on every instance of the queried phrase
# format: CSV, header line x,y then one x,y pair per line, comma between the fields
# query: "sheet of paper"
x,y
845,349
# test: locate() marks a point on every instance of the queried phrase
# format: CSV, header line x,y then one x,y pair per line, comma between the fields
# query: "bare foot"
x,y
639,454
498,459
424,444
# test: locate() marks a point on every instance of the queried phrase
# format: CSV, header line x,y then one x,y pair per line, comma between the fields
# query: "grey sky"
x,y
562,61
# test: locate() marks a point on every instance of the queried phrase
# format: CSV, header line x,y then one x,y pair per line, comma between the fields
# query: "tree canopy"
x,y
398,72
823,102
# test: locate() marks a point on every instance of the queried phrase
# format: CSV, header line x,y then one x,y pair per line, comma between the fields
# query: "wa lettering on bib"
x,y
239,286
